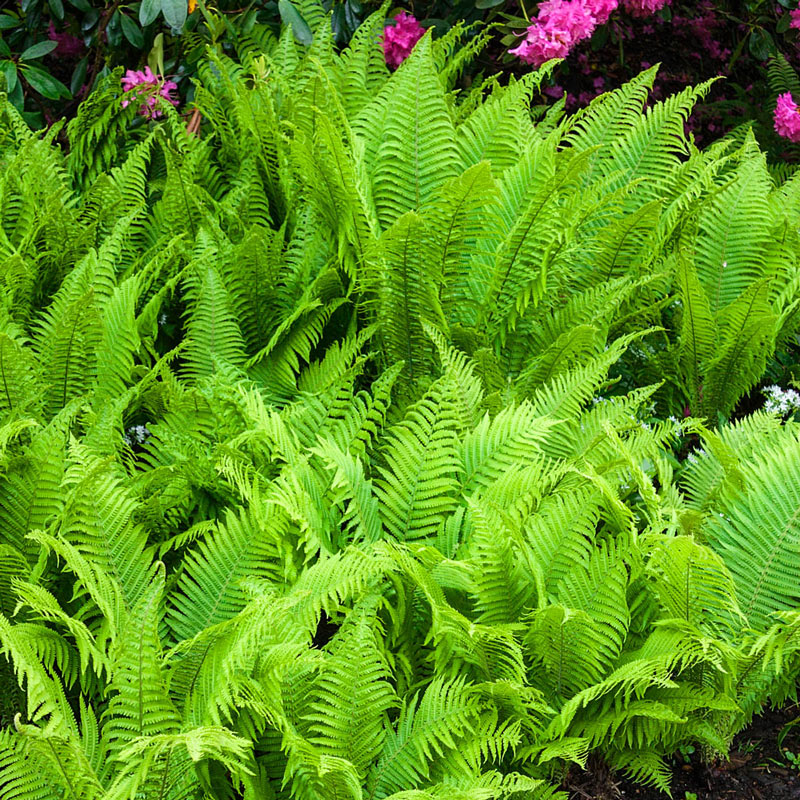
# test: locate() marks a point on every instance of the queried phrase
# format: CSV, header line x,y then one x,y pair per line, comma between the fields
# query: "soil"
x,y
756,770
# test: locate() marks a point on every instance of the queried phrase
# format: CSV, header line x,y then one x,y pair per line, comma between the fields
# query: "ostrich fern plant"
x,y
517,590
328,459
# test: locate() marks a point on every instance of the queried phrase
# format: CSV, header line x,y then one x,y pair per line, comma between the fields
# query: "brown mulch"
x,y
757,769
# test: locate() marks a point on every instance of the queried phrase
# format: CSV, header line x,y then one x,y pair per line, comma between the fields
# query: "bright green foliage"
x,y
329,466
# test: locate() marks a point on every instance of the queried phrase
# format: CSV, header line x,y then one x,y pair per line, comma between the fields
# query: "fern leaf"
x,y
417,150
417,489
139,704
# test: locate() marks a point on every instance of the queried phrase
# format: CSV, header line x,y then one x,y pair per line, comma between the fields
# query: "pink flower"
x,y
795,18
69,46
601,9
148,87
704,28
541,45
398,40
787,118
571,17
644,8
559,25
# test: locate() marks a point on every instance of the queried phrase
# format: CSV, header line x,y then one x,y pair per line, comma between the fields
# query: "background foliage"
x,y
53,52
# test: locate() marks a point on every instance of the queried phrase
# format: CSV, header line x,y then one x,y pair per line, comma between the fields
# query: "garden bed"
x,y
758,769
368,438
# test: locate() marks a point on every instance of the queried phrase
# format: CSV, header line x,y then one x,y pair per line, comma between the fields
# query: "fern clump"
x,y
343,445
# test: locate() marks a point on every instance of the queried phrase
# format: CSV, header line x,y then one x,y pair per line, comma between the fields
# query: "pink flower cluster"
x,y
148,87
561,24
398,40
787,118
703,28
644,8
794,15
68,45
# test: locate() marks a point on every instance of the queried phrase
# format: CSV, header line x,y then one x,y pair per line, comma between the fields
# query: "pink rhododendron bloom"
x,y
560,24
571,18
787,118
69,46
541,45
148,87
601,9
644,8
398,40
795,18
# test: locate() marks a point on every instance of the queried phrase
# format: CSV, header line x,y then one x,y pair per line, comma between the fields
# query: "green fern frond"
x,y
734,231
349,713
418,488
247,543
417,150
755,533
139,704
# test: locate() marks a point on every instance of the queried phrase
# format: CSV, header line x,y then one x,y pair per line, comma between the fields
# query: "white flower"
x,y
781,401
137,434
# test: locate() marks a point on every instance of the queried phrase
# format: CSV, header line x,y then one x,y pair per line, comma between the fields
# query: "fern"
x,y
342,446
408,169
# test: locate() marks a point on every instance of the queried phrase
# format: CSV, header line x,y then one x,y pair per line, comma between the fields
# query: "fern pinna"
x,y
340,443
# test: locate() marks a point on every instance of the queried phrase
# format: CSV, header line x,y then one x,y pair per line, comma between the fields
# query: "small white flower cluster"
x,y
781,401
137,434
162,318
692,458
678,425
